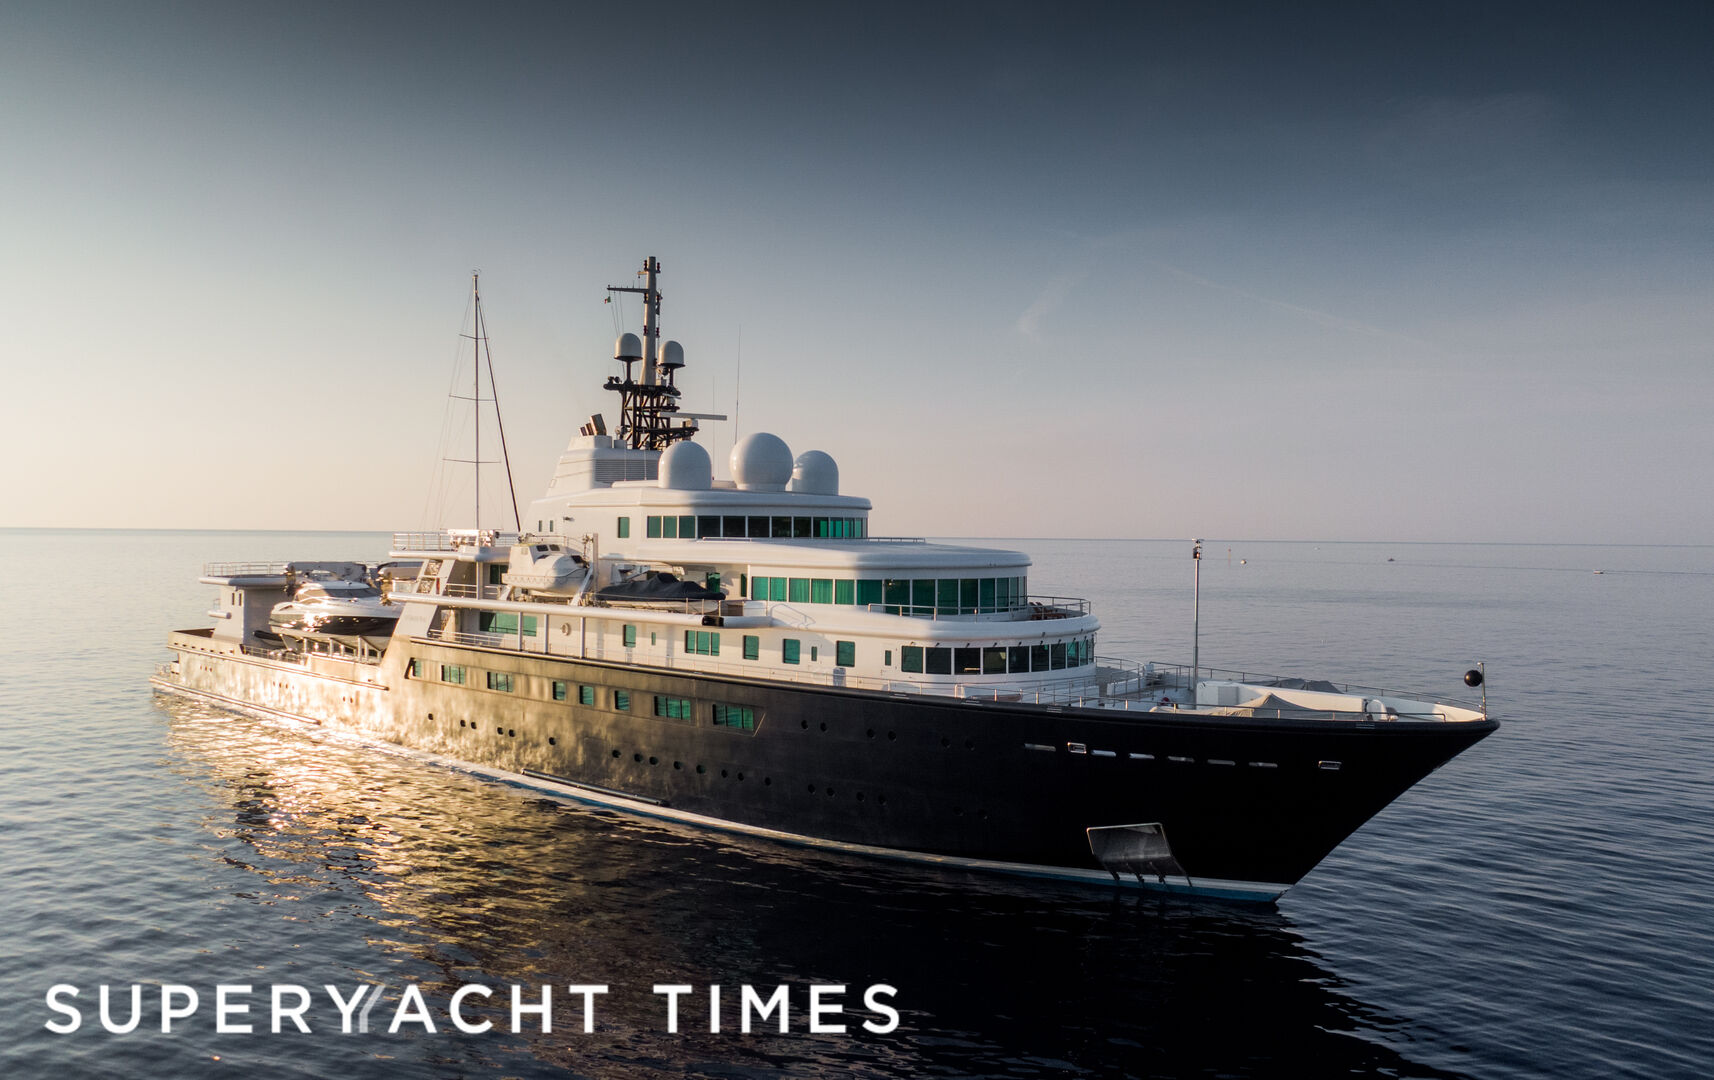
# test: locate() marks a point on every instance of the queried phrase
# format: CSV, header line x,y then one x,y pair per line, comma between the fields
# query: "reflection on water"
x,y
387,868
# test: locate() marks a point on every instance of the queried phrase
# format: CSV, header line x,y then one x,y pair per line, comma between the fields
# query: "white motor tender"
x,y
546,567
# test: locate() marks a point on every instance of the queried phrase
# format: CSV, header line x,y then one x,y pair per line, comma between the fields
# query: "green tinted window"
x,y
630,636
967,594
799,590
987,594
452,673
558,690
868,592
669,528
789,650
922,595
821,591
898,591
910,659
735,716
586,695
843,592
1019,661
821,528
622,700
673,708
687,527
499,680
946,595
654,528
845,653
623,531
778,588
752,647
994,660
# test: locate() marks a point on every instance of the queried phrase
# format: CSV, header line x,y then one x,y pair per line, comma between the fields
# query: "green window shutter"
x,y
752,647
789,650
630,636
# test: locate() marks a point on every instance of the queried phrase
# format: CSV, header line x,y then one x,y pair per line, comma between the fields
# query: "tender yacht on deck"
x,y
792,675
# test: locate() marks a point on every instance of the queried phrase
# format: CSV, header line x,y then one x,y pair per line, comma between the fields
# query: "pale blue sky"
x,y
1435,271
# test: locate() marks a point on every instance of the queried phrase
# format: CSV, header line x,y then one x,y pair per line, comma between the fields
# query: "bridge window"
x,y
821,591
868,591
843,593
1058,651
994,661
1019,659
910,659
939,661
799,590
759,526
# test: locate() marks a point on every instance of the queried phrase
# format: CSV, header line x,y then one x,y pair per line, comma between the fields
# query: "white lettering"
x,y
136,1011
224,1008
543,1009
870,1001
411,1008
588,993
672,992
297,1013
458,1020
714,1009
779,999
817,1010
168,1013
346,1008
63,1027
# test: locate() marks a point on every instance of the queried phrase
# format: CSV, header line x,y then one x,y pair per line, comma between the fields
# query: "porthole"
x,y
461,723
804,724
636,757
859,796
969,744
830,793
740,776
499,731
882,799
700,769
511,733
891,735
871,733
767,781
615,753
552,741
678,766
945,742
824,725
812,789
653,760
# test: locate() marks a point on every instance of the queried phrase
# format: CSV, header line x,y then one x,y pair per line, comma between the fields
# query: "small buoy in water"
x,y
1389,559
1472,678
1600,571
1243,562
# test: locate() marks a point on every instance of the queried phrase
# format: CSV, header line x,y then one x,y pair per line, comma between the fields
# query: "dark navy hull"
x,y
1238,799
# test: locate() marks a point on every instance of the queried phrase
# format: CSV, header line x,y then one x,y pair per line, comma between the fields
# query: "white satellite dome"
x,y
685,465
761,462
628,347
815,473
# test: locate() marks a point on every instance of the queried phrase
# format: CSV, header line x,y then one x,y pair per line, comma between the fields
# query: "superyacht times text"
x,y
470,1009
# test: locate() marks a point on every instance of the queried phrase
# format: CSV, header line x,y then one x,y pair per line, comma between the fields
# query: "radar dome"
x,y
815,473
628,347
761,462
685,465
671,354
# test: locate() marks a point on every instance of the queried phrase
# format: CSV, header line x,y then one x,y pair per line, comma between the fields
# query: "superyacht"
x,y
744,655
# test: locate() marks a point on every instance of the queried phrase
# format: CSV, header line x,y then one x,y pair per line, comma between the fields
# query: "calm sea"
x,y
1539,907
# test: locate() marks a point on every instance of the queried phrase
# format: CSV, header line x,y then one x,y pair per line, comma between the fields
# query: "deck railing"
x,y
243,569
451,540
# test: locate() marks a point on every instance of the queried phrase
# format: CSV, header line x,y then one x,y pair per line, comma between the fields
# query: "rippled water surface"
x,y
1539,907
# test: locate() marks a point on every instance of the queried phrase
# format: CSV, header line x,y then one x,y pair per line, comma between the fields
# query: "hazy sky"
x,y
1378,271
